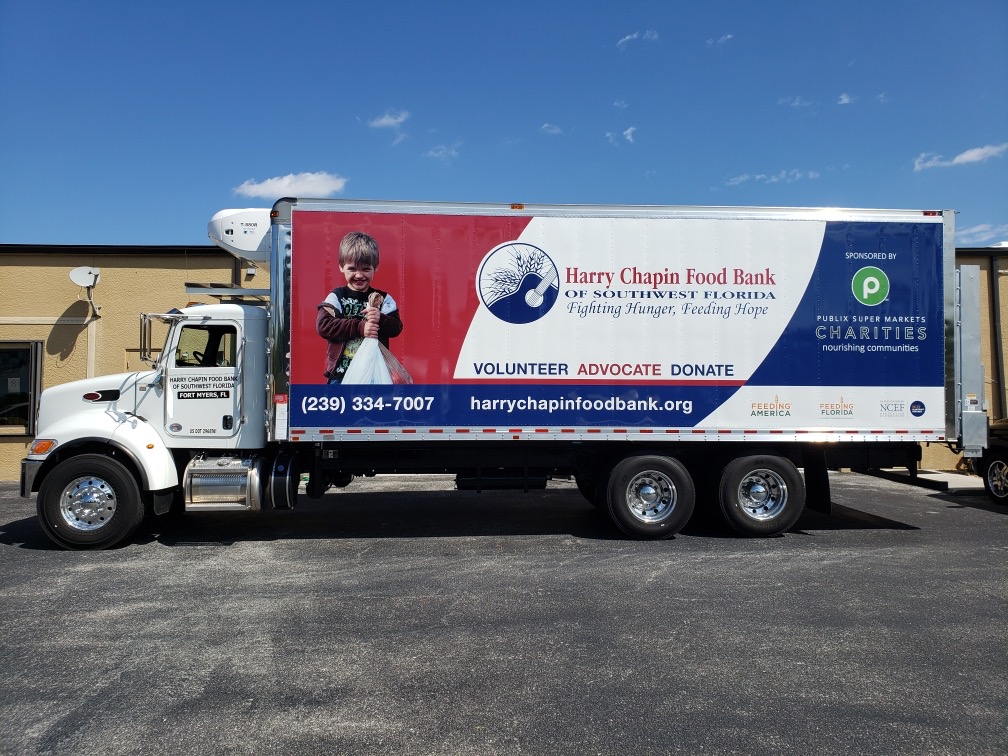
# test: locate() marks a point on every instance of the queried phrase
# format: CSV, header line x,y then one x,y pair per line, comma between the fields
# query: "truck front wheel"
x,y
995,475
761,496
650,496
89,502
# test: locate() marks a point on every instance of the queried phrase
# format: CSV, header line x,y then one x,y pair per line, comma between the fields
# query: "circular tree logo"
x,y
518,282
870,286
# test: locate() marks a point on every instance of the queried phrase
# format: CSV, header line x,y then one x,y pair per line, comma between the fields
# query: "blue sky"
x,y
133,123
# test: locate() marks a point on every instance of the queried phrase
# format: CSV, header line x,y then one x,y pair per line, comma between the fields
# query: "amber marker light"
x,y
42,446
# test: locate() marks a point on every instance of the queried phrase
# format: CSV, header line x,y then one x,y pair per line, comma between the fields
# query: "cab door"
x,y
203,394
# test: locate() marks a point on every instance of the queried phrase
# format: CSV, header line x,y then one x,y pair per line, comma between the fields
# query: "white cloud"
x,y
444,152
621,104
549,128
975,155
795,102
627,40
650,36
845,99
320,184
628,134
781,177
392,121
389,120
882,98
982,235
724,38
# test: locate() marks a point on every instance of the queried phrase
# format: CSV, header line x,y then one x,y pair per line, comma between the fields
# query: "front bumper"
x,y
29,469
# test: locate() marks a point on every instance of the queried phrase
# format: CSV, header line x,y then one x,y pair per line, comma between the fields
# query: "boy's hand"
x,y
371,315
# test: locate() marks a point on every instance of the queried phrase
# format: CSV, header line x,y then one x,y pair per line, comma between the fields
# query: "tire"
x,y
650,497
89,502
761,495
994,471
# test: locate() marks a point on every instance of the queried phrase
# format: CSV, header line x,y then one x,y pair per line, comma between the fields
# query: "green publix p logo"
x,y
870,286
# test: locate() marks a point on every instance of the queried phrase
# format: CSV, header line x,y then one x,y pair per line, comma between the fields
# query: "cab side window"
x,y
207,346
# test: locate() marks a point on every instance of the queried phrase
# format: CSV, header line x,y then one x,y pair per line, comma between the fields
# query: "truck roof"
x,y
226,310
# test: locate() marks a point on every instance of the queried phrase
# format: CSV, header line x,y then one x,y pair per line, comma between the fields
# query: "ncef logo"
x,y
518,282
870,286
917,408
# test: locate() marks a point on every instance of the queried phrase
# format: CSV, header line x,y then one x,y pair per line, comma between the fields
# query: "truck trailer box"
x,y
738,324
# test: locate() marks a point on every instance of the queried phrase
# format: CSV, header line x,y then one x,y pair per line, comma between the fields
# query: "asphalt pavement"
x,y
400,616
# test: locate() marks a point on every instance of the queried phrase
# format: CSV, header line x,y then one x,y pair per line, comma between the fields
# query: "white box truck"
x,y
662,357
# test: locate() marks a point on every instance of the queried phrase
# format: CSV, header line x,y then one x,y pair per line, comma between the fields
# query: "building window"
x,y
20,386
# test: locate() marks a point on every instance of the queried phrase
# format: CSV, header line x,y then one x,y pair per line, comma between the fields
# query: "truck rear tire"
x,y
89,502
650,497
761,495
994,471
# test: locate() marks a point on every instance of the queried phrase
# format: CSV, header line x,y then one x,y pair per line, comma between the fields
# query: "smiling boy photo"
x,y
346,317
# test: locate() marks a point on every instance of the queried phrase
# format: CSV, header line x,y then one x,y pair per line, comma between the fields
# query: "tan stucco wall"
x,y
39,302
939,457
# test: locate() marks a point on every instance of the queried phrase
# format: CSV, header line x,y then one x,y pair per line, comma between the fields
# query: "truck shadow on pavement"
x,y
455,514
405,514
26,534
969,500
428,514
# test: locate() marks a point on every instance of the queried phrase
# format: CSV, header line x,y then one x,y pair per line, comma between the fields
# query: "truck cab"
x,y
209,389
110,447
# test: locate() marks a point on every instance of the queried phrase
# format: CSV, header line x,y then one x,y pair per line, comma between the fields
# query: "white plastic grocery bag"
x,y
368,365
372,363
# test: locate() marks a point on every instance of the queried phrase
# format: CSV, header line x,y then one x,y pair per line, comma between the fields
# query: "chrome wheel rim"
x,y
762,494
87,503
997,478
651,496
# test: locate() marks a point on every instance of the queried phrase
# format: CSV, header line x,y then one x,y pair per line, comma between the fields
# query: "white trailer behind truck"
x,y
666,358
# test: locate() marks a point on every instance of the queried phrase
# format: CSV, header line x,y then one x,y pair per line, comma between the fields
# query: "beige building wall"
x,y
993,295
39,302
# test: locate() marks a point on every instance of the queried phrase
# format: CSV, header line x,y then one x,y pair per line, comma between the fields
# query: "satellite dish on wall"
x,y
86,276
